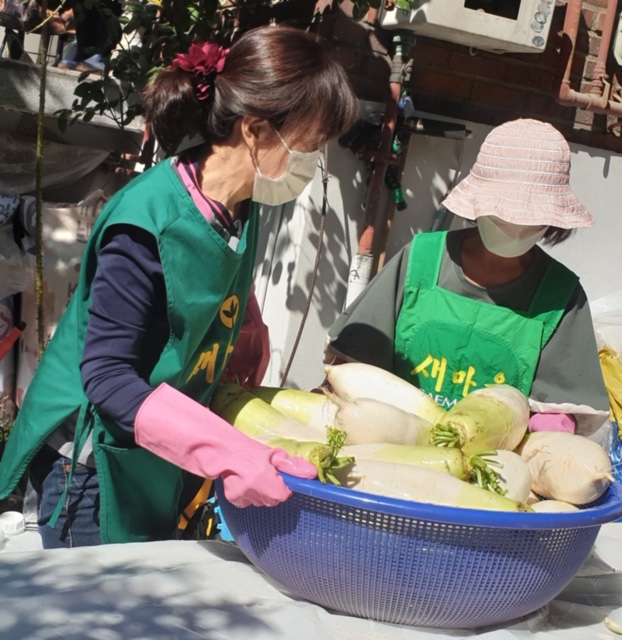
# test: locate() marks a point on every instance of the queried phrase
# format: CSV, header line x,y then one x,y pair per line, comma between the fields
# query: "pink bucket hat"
x,y
521,175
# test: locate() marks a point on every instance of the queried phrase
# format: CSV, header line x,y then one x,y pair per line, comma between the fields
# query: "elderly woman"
x,y
459,310
113,426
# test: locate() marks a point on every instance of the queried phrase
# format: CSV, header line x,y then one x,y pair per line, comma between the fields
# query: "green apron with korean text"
x,y
448,345
207,285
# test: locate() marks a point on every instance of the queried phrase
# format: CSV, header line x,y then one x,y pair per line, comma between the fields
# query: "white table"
x,y
208,591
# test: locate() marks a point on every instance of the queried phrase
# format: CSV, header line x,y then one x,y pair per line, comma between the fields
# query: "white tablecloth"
x,y
208,591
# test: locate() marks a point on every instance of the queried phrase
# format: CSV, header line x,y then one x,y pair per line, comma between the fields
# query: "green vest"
x,y
448,344
207,286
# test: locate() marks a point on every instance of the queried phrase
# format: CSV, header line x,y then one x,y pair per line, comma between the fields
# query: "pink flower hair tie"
x,y
204,59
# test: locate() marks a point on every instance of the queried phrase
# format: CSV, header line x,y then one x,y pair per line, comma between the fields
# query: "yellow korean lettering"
x,y
422,368
439,367
498,379
465,378
206,362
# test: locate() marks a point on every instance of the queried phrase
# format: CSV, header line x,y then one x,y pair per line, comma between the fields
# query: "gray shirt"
x,y
568,370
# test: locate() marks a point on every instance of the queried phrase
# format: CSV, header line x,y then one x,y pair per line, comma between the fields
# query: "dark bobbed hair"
x,y
282,74
556,235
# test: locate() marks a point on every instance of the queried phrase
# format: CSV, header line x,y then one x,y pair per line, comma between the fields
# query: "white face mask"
x,y
299,172
506,239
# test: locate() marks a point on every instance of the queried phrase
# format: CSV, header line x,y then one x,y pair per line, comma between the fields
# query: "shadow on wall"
x,y
289,238
429,172
19,88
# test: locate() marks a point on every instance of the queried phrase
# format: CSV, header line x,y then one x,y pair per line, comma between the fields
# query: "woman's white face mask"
x,y
300,169
506,239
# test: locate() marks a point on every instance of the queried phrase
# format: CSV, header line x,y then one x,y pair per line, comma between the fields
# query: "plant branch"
x,y
43,51
54,14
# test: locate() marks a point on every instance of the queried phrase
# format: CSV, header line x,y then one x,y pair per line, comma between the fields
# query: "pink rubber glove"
x,y
185,433
251,354
552,422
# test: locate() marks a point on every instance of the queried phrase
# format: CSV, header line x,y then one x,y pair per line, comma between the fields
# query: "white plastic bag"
x,y
62,164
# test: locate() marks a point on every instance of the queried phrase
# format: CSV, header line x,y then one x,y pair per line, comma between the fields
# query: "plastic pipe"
x,y
403,41
6,344
600,70
595,101
381,159
365,262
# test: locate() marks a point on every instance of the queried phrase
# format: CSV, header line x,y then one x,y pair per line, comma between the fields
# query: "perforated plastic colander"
x,y
413,563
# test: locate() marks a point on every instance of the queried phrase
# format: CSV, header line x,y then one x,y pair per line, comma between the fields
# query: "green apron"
x,y
448,345
207,285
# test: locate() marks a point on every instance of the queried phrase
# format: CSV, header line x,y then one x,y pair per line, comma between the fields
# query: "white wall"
x,y
284,271
289,236
595,254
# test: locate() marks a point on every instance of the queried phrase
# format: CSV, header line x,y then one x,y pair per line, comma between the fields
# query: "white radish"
x,y
353,380
367,421
451,461
256,418
532,498
322,456
311,409
553,506
514,476
410,482
487,419
566,466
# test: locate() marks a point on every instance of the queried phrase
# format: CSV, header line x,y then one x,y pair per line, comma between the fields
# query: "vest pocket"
x,y
139,494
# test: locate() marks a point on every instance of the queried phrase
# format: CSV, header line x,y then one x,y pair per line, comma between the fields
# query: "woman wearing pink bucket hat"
x,y
455,311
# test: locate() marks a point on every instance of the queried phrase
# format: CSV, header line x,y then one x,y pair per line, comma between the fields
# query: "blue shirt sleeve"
x,y
128,324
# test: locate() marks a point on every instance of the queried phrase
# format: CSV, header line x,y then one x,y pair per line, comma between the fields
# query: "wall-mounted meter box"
x,y
494,25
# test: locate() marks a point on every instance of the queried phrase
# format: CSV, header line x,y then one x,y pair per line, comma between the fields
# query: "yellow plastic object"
x,y
199,500
612,373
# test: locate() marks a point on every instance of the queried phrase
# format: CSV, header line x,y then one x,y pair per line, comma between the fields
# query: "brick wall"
x,y
452,80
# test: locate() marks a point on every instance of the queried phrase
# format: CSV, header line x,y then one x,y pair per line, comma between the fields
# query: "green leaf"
x,y
134,23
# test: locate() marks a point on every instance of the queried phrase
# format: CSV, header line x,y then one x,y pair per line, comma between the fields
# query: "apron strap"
x,y
552,297
83,430
426,254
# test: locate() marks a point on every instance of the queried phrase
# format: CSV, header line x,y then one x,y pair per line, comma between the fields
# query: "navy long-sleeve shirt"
x,y
128,325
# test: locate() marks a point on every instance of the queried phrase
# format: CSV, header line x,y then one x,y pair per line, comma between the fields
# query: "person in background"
x,y
113,427
455,311
97,33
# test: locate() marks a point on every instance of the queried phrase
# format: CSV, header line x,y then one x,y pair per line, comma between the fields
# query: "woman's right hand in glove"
x,y
190,436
